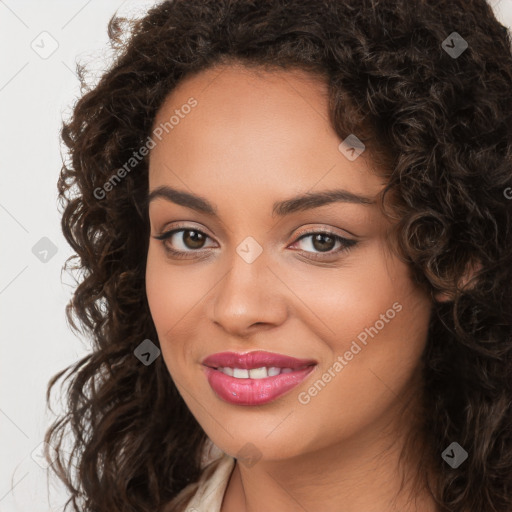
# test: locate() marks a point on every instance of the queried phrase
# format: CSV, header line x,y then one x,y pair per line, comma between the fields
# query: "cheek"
x,y
353,297
156,285
171,292
380,323
175,296
166,302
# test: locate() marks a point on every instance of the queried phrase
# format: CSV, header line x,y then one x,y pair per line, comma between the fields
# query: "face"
x,y
311,280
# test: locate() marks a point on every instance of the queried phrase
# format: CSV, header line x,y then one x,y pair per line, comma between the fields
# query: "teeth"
x,y
273,371
255,373
258,373
240,373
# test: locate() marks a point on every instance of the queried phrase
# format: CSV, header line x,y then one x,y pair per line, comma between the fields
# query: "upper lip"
x,y
255,359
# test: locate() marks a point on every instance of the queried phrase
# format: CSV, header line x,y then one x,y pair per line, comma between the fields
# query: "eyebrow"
x,y
298,203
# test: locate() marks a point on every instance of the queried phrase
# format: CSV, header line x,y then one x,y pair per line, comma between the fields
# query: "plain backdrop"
x,y
40,43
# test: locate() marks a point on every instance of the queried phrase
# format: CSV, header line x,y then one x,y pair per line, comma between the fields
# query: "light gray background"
x,y
35,94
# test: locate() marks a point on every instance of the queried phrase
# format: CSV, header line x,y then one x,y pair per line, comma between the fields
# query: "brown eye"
x,y
189,243
193,239
317,242
323,242
183,242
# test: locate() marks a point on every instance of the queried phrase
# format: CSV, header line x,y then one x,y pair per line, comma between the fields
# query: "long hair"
x,y
436,112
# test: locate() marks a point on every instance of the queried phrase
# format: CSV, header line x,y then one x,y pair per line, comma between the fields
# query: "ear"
x,y
471,269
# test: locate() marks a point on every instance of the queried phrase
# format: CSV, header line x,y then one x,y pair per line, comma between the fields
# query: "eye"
x,y
324,242
191,240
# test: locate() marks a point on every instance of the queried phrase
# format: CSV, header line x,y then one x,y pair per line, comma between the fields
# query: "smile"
x,y
254,378
255,373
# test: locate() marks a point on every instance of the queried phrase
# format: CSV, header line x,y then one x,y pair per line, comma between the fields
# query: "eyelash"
x,y
346,243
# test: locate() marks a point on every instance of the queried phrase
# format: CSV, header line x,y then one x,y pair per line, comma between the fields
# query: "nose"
x,y
248,298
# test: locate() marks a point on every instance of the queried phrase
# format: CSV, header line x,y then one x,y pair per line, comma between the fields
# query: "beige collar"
x,y
210,492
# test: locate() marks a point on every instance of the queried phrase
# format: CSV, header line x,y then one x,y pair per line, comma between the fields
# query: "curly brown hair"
x,y
442,125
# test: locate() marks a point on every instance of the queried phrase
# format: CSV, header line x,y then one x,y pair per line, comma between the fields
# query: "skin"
x,y
252,140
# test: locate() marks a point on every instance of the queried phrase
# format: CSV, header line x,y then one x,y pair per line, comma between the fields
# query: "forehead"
x,y
228,87
235,103
251,127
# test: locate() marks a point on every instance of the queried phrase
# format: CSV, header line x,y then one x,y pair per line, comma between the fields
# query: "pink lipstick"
x,y
254,378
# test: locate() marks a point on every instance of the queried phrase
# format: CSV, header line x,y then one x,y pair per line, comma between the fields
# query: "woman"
x,y
296,245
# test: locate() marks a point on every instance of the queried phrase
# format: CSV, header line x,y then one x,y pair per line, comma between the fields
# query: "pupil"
x,y
318,238
191,242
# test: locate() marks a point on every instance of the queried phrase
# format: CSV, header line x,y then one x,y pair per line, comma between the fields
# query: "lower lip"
x,y
254,391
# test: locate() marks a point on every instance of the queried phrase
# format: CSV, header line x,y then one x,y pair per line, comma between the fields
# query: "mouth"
x,y
256,373
255,360
254,378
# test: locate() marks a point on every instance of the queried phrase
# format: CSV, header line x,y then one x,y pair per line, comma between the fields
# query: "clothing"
x,y
210,493
207,494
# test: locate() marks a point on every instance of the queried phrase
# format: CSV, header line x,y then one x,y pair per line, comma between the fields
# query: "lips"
x,y
287,373
255,359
